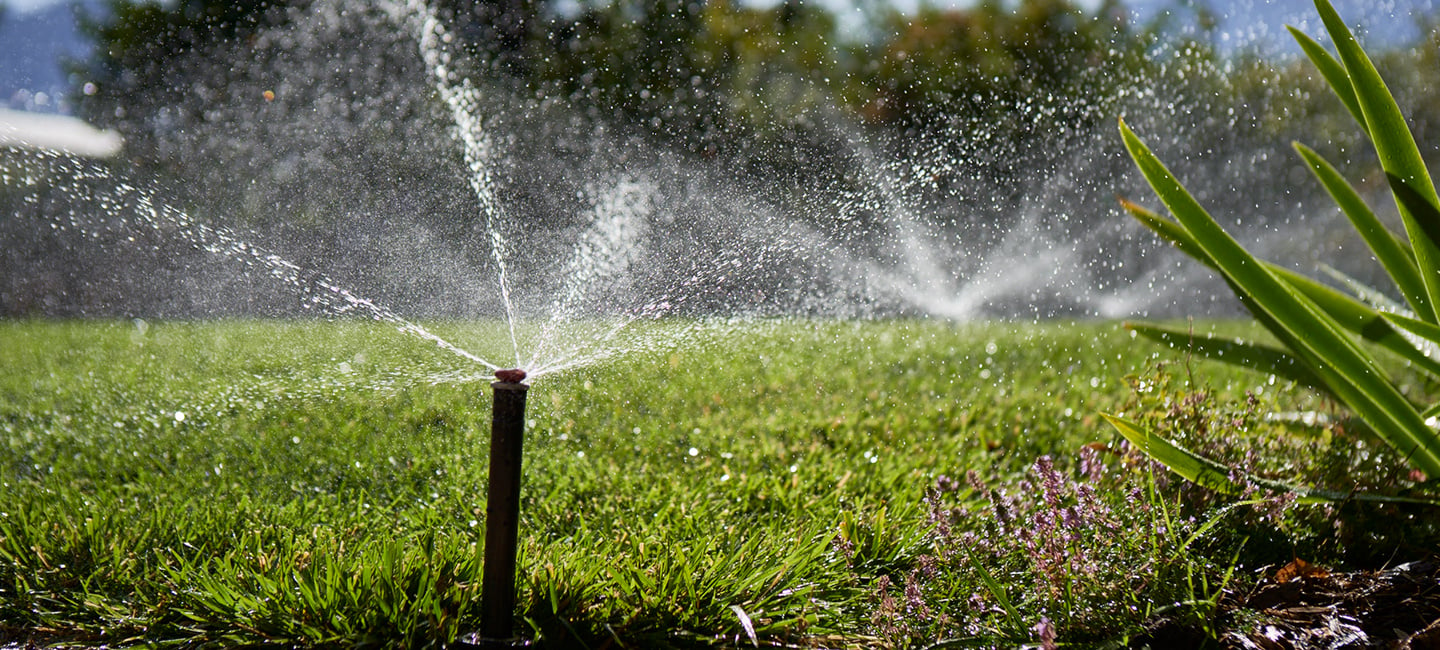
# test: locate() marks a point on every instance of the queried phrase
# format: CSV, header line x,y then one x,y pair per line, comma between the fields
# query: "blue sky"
x,y
29,5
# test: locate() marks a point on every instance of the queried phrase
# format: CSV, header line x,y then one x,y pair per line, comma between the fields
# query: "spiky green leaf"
x,y
1396,148
1207,473
1349,313
1360,319
1397,260
1316,338
1333,72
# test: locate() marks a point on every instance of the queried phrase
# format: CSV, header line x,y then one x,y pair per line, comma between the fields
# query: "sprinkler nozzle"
x,y
512,376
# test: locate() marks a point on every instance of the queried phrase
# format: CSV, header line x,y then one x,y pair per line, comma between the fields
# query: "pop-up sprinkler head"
x,y
502,506
511,376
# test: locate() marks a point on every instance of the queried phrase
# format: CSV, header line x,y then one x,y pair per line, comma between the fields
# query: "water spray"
x,y
502,506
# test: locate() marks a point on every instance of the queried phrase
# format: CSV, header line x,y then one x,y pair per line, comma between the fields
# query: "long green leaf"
x,y
1423,329
1176,234
1334,74
996,589
1395,146
1364,293
1245,354
1350,373
1346,311
1351,314
1426,213
1207,473
1359,318
1398,261
1194,468
1169,231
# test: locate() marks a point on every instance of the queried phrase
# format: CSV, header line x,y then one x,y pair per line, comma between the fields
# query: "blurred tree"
x,y
992,59
706,74
140,62
772,67
635,60
137,44
500,32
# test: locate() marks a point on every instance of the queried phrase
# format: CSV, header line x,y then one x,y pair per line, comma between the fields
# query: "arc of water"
x,y
463,100
606,250
319,289
923,282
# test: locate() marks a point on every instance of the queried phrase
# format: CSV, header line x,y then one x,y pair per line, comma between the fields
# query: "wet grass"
x,y
816,484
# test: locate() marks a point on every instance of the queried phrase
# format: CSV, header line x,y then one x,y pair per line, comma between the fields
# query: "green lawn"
x,y
825,483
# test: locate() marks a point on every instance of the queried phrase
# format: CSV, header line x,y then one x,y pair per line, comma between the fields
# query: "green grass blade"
x,y
1397,260
996,590
1350,373
1194,468
1333,72
1245,354
1396,148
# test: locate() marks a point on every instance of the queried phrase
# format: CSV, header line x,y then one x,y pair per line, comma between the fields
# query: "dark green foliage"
x,y
139,46
708,77
993,58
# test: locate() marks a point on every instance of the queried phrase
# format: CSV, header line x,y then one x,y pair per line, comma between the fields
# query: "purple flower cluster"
x,y
1063,549
1082,545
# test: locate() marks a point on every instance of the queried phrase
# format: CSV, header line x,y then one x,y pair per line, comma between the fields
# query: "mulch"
x,y
1301,606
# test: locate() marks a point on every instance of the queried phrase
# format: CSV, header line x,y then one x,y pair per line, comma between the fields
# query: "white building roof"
x,y
51,132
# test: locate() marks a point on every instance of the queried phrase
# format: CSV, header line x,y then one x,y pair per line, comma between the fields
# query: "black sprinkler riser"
x,y
502,510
